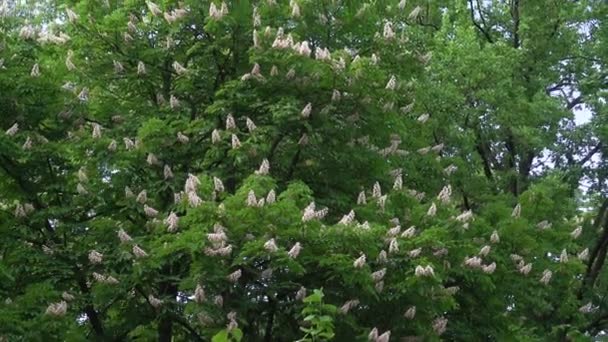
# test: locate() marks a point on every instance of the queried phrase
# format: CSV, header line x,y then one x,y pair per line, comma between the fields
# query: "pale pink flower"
x,y
445,194
348,218
179,69
155,302
382,257
414,253
452,290
306,111
138,252
81,190
323,54
82,175
218,301
218,185
129,144
141,68
27,32
191,183
27,145
67,296
473,262
576,232
348,305
177,197
142,197
424,150
393,231
251,199
236,143
525,269
271,246
378,275
217,237
360,261
96,131
68,61
149,211
123,236
393,246
232,324
432,210
410,313
264,168
167,172
256,39
516,211
423,118
35,72
172,222
543,225
12,130
392,83
385,337
485,250
450,169
291,73
215,136
335,95
250,125
295,9
151,159
424,271
174,102
153,8
408,233
309,212
295,250
301,294
224,8
361,199
182,138
376,190
516,257
271,197
235,276
587,308
199,294
57,309
495,238
304,49
546,278
95,257
563,257
398,184
437,148
440,325
489,268
584,254
373,335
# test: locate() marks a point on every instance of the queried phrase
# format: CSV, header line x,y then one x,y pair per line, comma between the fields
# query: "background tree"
x,y
311,170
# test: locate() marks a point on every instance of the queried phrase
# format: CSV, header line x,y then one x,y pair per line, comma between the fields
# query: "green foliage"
x,y
317,317
169,172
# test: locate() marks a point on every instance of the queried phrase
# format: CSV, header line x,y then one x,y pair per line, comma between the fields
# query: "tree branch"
x,y
479,27
516,20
